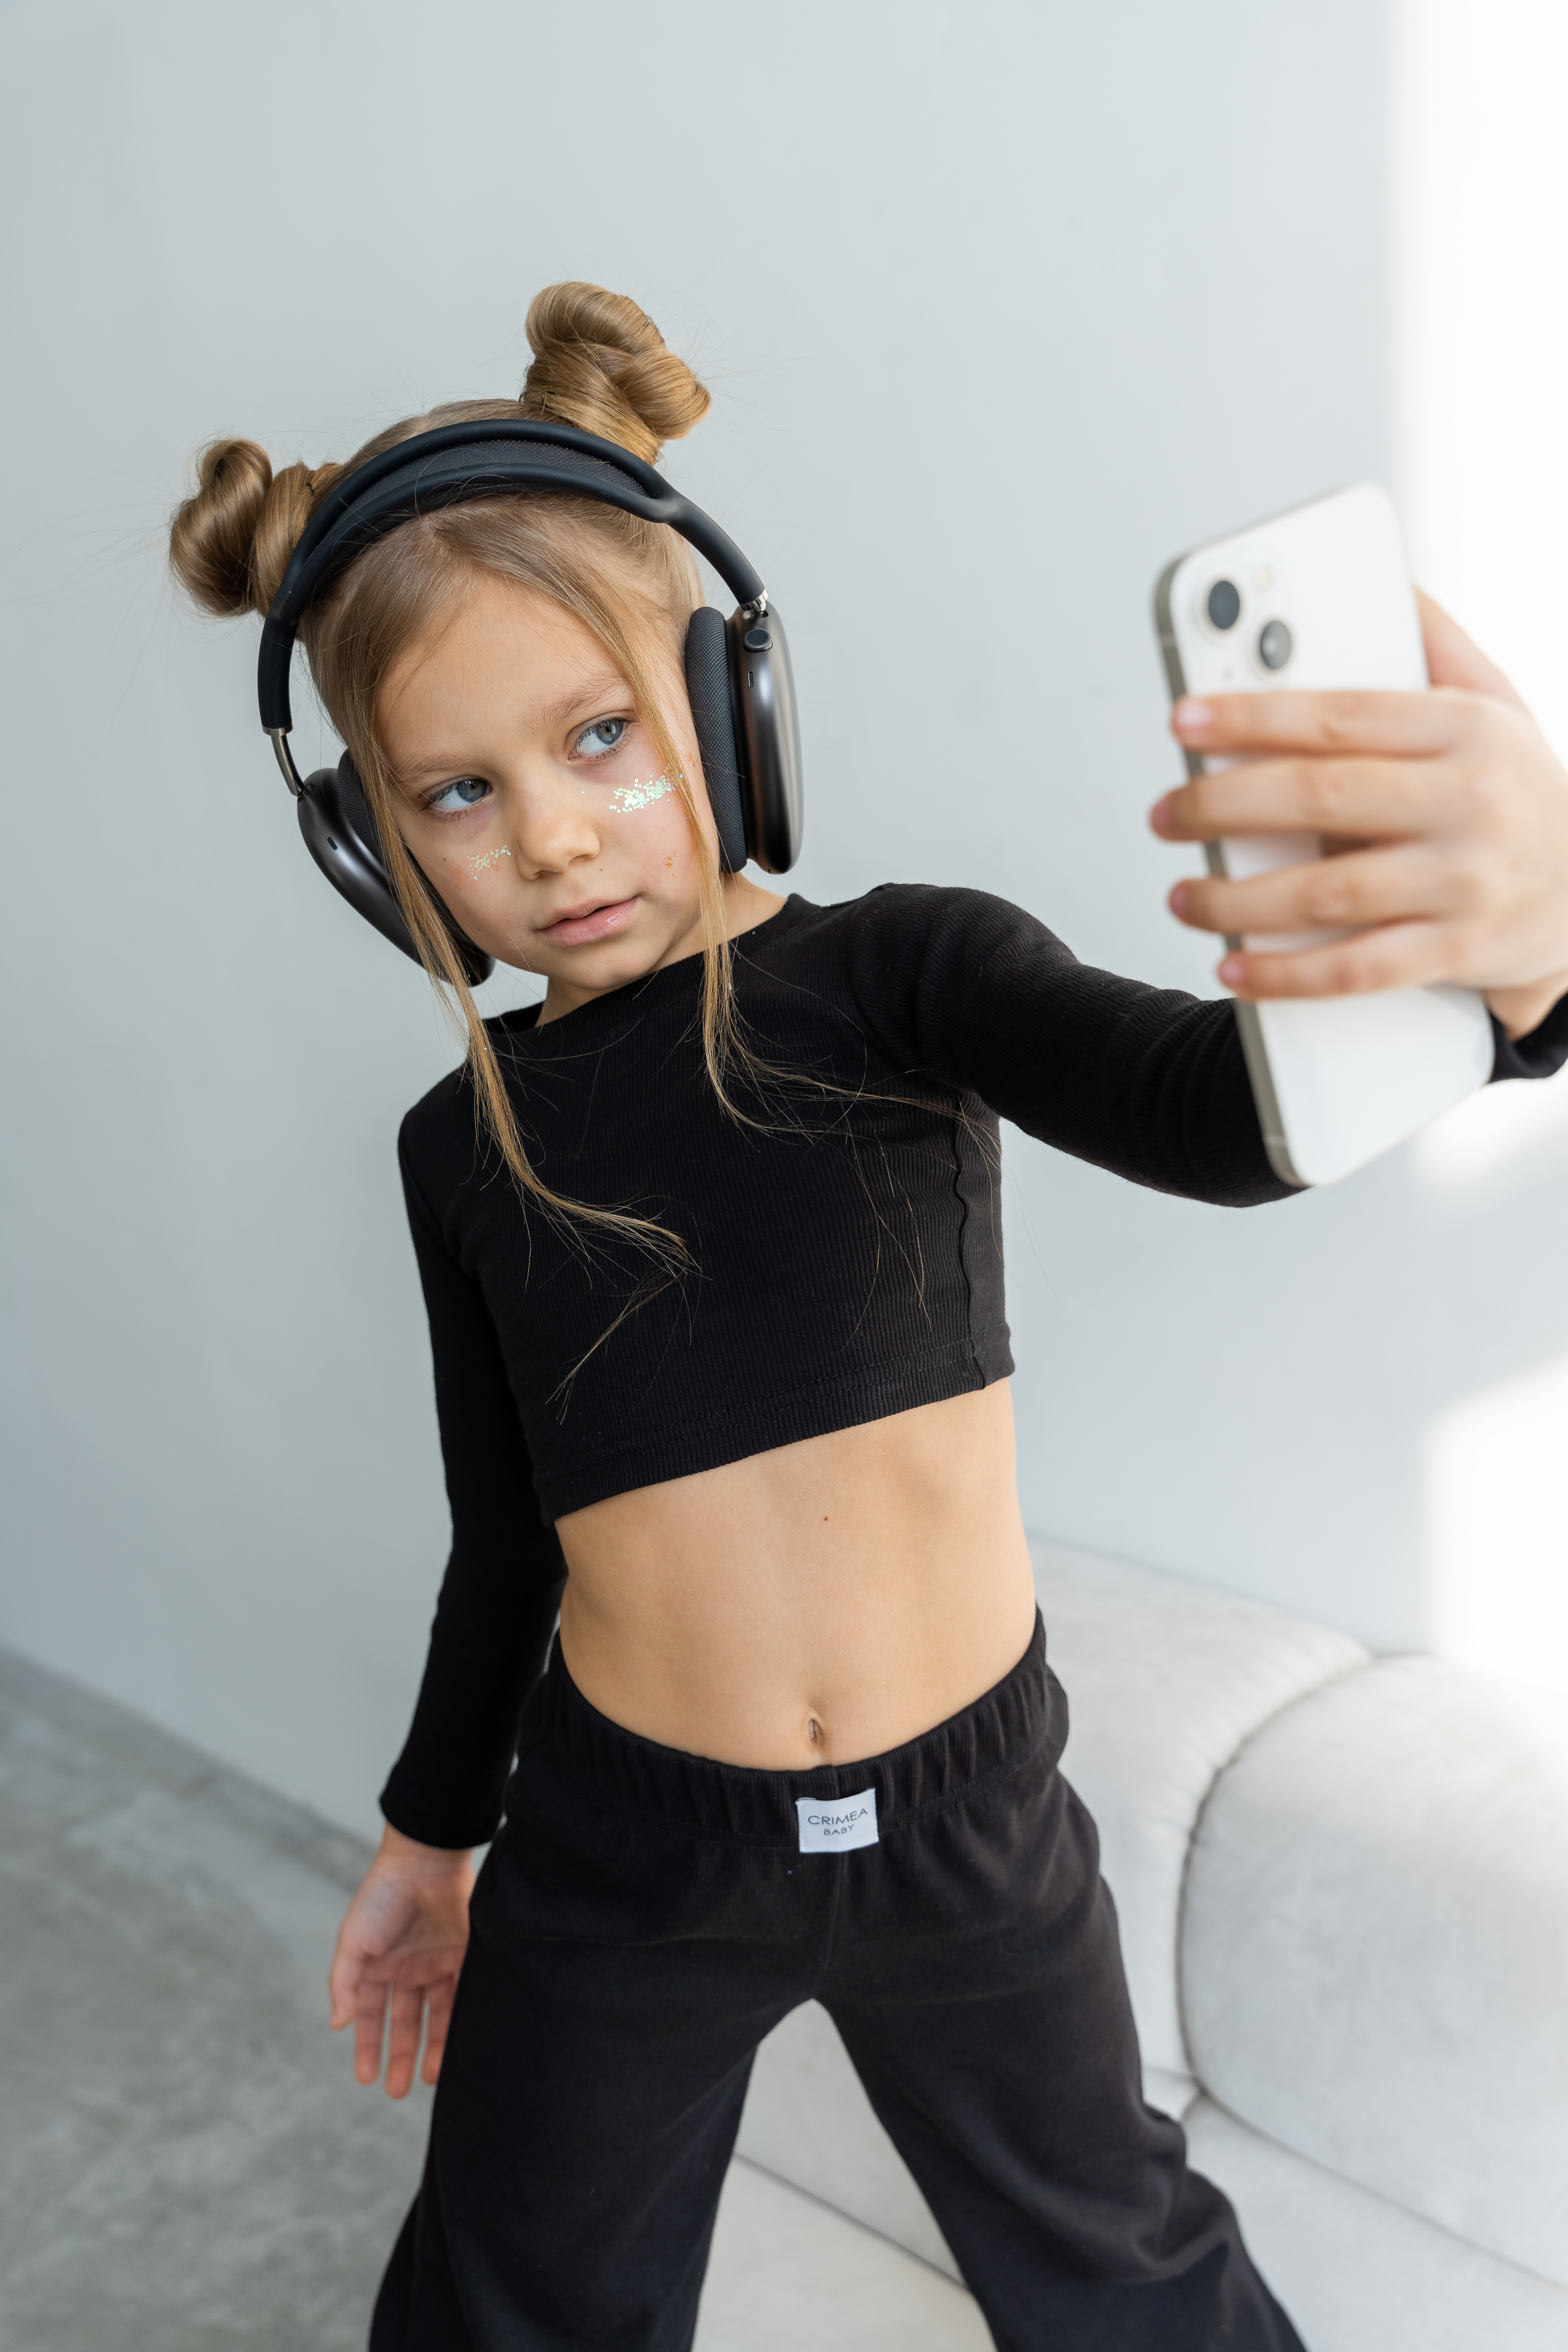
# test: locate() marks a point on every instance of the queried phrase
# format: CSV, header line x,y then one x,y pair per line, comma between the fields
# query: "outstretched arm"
x,y
1150,1083
1444,816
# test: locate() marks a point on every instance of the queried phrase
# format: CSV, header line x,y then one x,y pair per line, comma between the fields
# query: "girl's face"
x,y
535,799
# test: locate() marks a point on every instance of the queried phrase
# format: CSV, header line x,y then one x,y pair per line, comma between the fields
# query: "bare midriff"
x,y
813,1605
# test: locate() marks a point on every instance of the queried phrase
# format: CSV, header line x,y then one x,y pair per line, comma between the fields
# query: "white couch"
x,y
1343,1891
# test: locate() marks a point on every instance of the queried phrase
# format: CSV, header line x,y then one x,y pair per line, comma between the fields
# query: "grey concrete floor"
x,y
184,2158
185,2161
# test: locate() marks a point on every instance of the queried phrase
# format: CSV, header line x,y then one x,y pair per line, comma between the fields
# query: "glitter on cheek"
x,y
477,865
639,795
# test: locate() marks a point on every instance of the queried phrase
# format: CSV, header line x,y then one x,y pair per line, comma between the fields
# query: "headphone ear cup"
x,y
341,834
767,732
713,715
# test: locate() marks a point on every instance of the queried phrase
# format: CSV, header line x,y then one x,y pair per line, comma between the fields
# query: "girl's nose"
x,y
555,828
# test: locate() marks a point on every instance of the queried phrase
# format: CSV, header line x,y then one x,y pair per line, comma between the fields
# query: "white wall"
x,y
1001,305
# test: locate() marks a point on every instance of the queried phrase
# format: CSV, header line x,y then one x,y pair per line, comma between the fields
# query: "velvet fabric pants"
x,y
645,1916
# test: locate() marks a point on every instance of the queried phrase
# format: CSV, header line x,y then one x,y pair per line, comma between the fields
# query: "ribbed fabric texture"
x,y
848,1258
846,1254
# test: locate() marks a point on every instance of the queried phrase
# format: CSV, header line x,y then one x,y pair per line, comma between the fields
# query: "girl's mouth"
x,y
580,926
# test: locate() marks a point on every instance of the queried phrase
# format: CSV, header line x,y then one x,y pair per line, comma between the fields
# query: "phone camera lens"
x,y
1274,645
1224,606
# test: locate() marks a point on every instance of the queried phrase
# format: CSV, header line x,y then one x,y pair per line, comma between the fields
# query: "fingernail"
x,y
1191,718
1179,898
1233,971
1160,814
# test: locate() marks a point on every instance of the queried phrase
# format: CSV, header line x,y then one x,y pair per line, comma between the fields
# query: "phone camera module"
x,y
1275,644
1223,605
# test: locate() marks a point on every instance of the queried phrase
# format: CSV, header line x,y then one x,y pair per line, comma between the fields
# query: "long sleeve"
x,y
1149,1083
502,1585
1540,1054
1146,1082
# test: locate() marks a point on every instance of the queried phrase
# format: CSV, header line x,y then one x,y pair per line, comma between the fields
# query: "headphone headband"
x,y
447,468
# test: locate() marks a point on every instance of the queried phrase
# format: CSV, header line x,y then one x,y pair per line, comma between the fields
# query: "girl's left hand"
x,y
1444,818
399,1953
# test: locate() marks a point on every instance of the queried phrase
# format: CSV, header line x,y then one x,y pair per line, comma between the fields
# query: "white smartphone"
x,y
1320,597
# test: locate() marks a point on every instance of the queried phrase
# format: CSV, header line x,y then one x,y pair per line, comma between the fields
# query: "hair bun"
x,y
230,541
601,363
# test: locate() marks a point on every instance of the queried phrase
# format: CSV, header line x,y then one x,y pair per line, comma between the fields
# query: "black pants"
x,y
643,1920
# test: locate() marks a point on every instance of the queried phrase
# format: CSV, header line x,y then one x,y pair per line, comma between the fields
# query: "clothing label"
x,y
832,1824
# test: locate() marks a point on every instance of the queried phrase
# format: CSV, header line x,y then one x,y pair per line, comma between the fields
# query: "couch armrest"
x,y
1374,1956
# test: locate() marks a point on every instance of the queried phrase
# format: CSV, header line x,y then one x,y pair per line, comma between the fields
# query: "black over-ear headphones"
x,y
738,671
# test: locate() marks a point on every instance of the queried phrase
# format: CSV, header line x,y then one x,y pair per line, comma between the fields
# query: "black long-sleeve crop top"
x,y
844,1249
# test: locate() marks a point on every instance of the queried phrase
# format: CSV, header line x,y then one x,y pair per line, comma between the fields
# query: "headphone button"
x,y
757,641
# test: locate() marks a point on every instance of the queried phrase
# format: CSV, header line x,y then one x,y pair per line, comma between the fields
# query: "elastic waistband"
x,y
994,1736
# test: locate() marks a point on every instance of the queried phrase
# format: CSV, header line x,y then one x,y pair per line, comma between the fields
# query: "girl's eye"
x,y
604,736
467,793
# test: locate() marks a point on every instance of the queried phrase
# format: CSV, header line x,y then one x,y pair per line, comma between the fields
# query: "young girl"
x,y
710,1242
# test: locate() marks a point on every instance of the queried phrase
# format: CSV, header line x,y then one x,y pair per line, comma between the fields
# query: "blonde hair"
x,y
599,364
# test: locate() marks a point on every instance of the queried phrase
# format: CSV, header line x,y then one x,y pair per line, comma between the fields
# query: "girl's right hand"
x,y
404,1935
